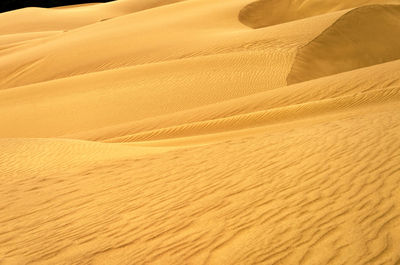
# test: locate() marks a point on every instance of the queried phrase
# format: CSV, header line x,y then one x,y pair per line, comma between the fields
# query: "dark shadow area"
x,y
8,5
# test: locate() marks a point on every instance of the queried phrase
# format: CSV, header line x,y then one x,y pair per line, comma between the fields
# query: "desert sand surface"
x,y
201,132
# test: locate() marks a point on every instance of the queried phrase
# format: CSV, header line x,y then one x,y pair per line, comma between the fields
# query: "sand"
x,y
201,132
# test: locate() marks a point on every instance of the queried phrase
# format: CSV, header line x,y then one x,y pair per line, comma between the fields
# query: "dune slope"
x,y
263,13
201,132
364,36
330,187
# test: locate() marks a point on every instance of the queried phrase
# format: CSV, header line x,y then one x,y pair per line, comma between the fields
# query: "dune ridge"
x,y
140,226
201,132
347,44
264,13
65,55
362,80
268,117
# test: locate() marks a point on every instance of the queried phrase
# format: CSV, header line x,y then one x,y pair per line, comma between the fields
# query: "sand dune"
x,y
346,85
348,45
126,45
20,21
263,13
219,204
201,132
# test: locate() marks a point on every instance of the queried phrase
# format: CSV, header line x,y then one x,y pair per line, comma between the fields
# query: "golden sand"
x,y
201,132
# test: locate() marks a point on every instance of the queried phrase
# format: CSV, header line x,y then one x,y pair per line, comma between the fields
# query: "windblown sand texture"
x,y
201,132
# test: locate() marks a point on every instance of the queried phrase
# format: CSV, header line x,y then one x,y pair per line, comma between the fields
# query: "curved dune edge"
x,y
264,13
61,154
280,197
344,84
65,55
108,95
268,117
348,44
64,19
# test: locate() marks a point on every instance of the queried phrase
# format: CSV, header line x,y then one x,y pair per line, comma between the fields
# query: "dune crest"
x,y
63,19
365,36
264,13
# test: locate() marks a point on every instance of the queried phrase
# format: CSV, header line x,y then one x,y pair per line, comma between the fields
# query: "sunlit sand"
x,y
201,132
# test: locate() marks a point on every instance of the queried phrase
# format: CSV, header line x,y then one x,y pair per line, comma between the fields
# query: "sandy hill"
x,y
201,132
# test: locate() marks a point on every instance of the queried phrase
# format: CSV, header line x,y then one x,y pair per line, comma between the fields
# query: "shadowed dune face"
x,y
265,13
365,36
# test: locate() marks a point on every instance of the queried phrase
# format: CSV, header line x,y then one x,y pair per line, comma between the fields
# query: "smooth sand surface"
x,y
201,132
